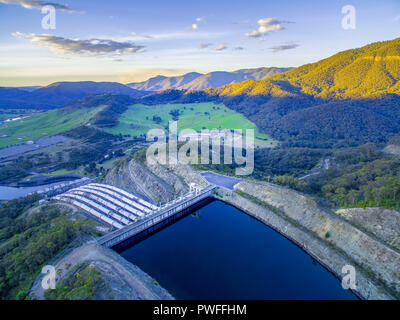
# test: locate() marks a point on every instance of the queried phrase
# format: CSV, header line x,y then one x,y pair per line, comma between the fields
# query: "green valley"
x,y
45,124
138,119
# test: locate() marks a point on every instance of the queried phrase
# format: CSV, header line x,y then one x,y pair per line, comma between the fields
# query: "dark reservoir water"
x,y
221,253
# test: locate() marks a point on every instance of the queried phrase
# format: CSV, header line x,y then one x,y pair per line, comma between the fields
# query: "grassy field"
x,y
12,113
138,119
59,172
44,125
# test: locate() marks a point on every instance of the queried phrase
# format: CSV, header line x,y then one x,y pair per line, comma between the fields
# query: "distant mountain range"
x,y
61,93
348,99
196,81
30,89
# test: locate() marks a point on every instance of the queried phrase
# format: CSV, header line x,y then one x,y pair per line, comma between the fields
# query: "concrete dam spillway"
x,y
111,205
126,212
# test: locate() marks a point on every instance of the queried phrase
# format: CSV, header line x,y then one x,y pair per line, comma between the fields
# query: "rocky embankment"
x,y
381,223
155,183
122,280
330,239
392,149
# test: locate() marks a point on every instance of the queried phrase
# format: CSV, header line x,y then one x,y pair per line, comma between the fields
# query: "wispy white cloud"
x,y
221,47
204,45
265,26
284,47
241,22
84,47
267,29
195,25
38,4
268,21
173,35
144,36
253,34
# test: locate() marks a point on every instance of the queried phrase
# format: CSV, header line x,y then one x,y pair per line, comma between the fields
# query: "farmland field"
x,y
139,119
44,125
13,113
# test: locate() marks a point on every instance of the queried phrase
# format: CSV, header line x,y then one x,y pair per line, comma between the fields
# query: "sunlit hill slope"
x,y
364,72
347,99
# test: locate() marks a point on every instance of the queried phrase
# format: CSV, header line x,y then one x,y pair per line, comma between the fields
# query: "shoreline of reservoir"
x,y
333,258
295,242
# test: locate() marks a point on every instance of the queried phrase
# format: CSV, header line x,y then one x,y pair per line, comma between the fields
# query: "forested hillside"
x,y
59,94
363,176
347,99
358,73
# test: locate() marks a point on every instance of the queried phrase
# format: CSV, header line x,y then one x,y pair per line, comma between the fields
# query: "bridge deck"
x,y
157,217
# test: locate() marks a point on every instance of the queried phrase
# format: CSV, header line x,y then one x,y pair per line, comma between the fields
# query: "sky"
x,y
130,40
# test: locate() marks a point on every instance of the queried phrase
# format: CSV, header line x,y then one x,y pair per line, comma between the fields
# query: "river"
x,y
220,252
10,193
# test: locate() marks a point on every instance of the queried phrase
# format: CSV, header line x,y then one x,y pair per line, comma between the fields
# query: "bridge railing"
x,y
162,214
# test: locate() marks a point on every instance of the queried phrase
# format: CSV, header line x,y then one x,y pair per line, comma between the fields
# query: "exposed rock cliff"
x,y
156,183
392,149
379,222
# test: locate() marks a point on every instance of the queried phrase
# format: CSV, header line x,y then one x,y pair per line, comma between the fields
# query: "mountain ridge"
x,y
194,81
58,94
368,71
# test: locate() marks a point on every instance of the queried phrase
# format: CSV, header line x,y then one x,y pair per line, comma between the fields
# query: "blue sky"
x,y
135,40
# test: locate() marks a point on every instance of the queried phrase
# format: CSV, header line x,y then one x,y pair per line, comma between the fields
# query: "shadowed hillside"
x,y
61,93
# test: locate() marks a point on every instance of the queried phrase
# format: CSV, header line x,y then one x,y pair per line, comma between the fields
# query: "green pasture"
x,y
45,124
138,119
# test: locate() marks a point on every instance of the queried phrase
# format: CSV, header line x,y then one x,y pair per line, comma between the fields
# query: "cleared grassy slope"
x,y
44,125
138,119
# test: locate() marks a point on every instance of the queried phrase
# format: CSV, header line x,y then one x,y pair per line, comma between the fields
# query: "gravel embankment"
x,y
124,281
